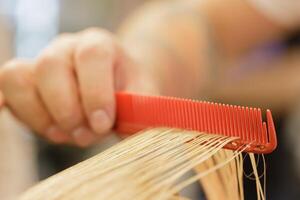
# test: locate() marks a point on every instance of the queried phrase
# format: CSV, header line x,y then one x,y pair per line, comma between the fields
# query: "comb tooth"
x,y
238,121
223,119
145,118
218,118
137,102
177,114
228,125
204,114
227,120
216,126
187,120
259,126
247,122
231,120
235,121
182,115
250,131
163,115
207,117
149,116
231,114
258,121
255,117
196,118
213,119
208,120
149,110
164,112
262,135
173,111
200,114
174,116
167,110
233,117
186,117
243,123
190,115
252,134
156,113
272,140
251,125
265,128
153,120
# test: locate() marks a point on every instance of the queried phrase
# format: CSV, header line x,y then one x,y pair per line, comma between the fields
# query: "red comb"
x,y
137,112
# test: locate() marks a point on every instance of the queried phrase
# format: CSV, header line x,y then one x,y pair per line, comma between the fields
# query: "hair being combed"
x,y
152,165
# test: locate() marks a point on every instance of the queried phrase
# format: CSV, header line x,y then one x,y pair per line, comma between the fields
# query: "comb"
x,y
138,112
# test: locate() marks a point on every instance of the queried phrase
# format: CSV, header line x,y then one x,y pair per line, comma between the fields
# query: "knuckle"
x,y
95,30
63,40
46,61
90,51
16,74
64,36
68,120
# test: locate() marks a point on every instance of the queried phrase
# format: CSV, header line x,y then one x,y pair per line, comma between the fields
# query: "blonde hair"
x,y
151,165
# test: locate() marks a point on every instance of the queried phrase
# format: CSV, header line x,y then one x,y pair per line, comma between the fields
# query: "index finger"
x,y
94,61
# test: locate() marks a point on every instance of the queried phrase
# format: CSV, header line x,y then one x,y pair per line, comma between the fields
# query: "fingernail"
x,y
100,121
83,137
56,135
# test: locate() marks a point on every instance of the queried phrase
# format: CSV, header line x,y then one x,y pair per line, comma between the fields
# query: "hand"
x,y
67,93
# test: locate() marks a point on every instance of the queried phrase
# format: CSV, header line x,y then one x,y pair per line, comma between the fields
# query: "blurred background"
x,y
26,26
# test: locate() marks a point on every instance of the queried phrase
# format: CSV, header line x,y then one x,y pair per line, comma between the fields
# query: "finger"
x,y
56,83
18,87
58,88
94,60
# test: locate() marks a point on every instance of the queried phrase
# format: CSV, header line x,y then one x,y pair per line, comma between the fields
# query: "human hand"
x,y
67,94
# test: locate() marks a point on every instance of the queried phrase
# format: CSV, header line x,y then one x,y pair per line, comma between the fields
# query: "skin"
x,y
67,93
